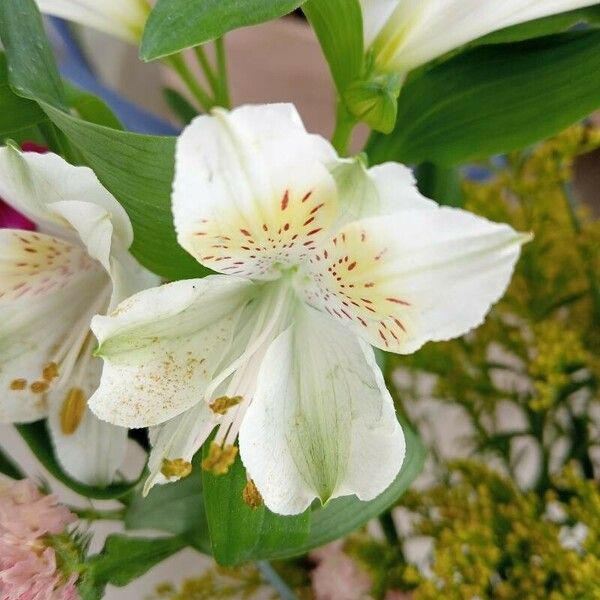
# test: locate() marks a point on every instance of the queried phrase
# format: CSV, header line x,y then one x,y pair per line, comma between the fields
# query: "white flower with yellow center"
x,y
405,34
124,19
319,259
52,282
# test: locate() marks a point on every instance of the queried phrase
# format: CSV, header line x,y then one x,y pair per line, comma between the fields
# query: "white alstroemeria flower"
x,y
319,259
52,282
124,19
405,34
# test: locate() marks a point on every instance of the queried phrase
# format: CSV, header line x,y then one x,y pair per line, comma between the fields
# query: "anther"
x,y
72,411
39,387
251,495
219,459
50,371
176,468
18,384
221,405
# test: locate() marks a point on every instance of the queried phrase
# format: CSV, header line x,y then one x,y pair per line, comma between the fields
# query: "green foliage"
x,y
8,467
177,24
37,438
487,100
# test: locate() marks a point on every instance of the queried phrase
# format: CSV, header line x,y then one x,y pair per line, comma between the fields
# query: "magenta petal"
x,y
13,219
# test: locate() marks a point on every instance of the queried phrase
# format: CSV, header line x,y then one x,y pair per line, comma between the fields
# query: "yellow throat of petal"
x,y
72,411
177,467
219,459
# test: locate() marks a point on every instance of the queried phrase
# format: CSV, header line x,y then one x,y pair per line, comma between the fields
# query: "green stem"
x,y
91,514
344,125
224,94
179,65
276,581
207,69
386,521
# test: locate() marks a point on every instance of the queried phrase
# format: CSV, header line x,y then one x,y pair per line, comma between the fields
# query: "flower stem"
x,y
275,580
91,514
224,95
207,69
177,62
344,125
386,520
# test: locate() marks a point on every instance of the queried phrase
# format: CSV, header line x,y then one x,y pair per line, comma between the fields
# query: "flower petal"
x,y
89,450
41,186
178,440
161,348
321,424
415,276
251,190
121,18
49,291
418,31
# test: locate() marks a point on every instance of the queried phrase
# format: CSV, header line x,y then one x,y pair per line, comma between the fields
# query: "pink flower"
x,y
28,568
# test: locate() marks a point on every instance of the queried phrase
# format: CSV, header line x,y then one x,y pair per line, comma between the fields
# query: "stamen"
x,y
221,405
18,384
39,387
72,411
176,468
50,371
251,495
219,459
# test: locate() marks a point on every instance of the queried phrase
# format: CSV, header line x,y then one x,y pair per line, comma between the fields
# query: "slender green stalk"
x,y
344,125
386,520
223,95
91,514
208,70
177,62
275,580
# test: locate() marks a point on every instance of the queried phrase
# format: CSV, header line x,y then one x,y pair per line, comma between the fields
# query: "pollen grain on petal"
x,y
39,387
221,405
18,384
219,459
50,371
177,467
72,411
252,496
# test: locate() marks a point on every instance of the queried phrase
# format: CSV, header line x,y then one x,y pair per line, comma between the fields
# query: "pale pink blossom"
x,y
28,567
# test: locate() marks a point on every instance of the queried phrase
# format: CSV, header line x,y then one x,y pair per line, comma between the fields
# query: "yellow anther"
x,y
18,384
72,411
221,405
50,371
219,458
175,468
39,387
251,495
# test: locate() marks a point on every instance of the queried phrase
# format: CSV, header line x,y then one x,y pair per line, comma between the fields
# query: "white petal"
x,y
161,348
381,190
121,18
252,192
321,424
95,450
375,14
415,276
43,186
49,291
178,439
426,29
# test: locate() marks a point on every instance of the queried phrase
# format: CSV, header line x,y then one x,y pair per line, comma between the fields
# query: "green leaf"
x,y
16,113
442,184
8,467
37,438
494,99
545,26
31,64
90,108
180,105
176,508
177,24
339,27
138,170
239,533
124,559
